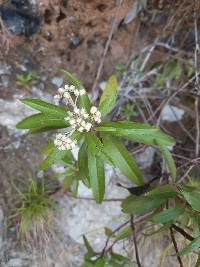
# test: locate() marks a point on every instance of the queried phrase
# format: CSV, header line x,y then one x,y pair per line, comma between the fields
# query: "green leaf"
x,y
66,183
90,250
96,174
193,198
163,191
98,147
138,132
195,244
108,231
54,156
45,129
41,120
168,158
84,100
140,205
45,107
83,165
123,160
94,142
123,233
109,96
169,214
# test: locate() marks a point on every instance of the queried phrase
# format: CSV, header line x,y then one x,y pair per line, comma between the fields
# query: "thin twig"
x,y
94,94
175,246
182,232
135,242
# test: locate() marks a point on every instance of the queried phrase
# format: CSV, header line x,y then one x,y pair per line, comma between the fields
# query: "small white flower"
x,y
83,123
98,120
76,110
86,116
67,118
67,87
82,92
79,120
71,88
83,111
93,110
63,142
76,92
61,90
66,95
72,121
80,129
98,114
88,126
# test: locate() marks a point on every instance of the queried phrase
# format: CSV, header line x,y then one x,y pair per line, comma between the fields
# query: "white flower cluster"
x,y
63,142
78,119
64,92
81,120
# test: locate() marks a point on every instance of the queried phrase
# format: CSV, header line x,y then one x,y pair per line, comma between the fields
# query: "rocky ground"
x,y
72,35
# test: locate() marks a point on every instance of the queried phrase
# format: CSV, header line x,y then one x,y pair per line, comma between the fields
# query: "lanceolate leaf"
x,y
109,96
83,164
123,160
123,233
96,174
41,120
195,244
140,205
163,191
45,107
45,129
138,132
84,99
193,198
169,214
168,158
90,250
98,147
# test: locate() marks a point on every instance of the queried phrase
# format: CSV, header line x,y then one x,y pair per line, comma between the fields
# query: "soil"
x,y
72,36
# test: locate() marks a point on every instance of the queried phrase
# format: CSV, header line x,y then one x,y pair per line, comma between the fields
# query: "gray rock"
x,y
15,262
145,158
171,113
57,81
11,112
5,69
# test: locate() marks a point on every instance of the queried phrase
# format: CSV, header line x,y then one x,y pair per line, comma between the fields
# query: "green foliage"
x,y
122,159
193,198
140,205
194,245
138,132
128,111
96,172
101,145
35,209
109,96
25,80
169,214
